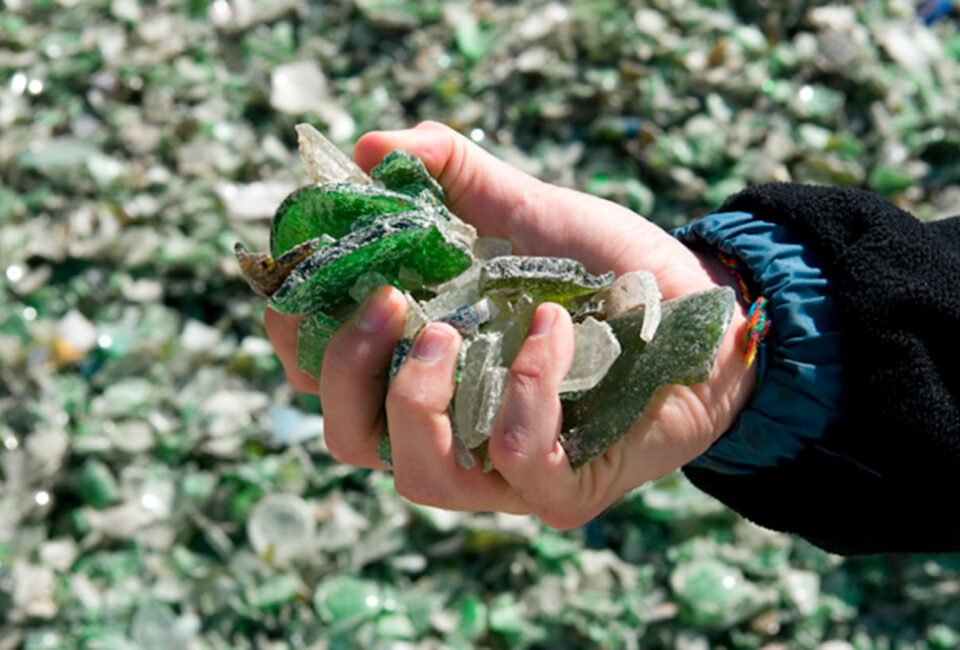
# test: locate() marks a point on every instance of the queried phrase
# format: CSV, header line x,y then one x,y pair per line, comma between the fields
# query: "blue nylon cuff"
x,y
798,397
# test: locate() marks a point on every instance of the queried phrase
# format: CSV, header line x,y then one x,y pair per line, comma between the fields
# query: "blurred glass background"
x,y
162,486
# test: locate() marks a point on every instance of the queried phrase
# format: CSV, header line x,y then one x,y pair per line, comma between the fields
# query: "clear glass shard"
x,y
630,291
323,161
448,302
486,248
494,383
596,348
460,232
416,317
482,353
464,458
469,279
513,319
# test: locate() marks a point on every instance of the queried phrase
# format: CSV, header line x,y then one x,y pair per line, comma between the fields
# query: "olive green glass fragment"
x,y
554,279
682,352
330,209
384,450
322,282
314,334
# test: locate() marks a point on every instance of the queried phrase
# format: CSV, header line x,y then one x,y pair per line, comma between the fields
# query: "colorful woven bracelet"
x,y
758,323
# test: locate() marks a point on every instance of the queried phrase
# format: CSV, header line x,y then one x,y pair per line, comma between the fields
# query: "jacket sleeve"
x,y
880,472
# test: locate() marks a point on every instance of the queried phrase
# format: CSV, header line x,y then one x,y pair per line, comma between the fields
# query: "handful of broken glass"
x,y
334,241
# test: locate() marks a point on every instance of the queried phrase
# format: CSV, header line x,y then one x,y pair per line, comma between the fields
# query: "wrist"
x,y
732,381
799,396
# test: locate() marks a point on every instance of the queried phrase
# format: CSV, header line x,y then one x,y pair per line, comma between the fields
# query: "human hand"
x,y
533,474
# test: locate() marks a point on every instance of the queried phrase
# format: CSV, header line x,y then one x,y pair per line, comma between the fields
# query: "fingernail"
x,y
376,311
543,320
431,344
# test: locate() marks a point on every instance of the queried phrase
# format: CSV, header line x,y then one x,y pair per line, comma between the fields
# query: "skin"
x,y
533,474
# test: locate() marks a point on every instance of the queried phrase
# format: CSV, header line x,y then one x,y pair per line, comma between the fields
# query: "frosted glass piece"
x,y
482,352
416,317
449,302
494,383
486,248
323,161
633,290
514,320
464,458
281,527
461,232
469,279
596,348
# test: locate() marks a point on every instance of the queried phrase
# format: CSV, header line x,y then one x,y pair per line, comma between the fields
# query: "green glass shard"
x,y
331,209
681,352
384,450
403,172
322,282
314,334
554,279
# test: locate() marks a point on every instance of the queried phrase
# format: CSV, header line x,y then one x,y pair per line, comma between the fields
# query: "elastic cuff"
x,y
799,395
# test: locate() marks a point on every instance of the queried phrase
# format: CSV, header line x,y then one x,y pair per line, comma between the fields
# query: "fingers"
x,y
502,201
524,446
424,460
478,186
282,332
353,379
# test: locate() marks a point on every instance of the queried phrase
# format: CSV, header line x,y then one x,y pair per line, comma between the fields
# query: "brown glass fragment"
x,y
265,274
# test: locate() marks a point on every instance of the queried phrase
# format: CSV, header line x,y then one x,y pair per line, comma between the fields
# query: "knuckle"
x,y
563,514
339,449
346,355
417,489
526,375
431,124
510,446
459,175
562,518
405,397
302,383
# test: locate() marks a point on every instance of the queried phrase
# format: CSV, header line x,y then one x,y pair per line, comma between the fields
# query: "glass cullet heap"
x,y
332,242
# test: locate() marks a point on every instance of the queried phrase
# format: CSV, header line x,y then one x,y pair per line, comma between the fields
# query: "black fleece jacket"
x,y
896,285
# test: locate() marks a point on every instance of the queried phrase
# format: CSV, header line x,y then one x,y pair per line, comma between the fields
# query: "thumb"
x,y
502,201
479,187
